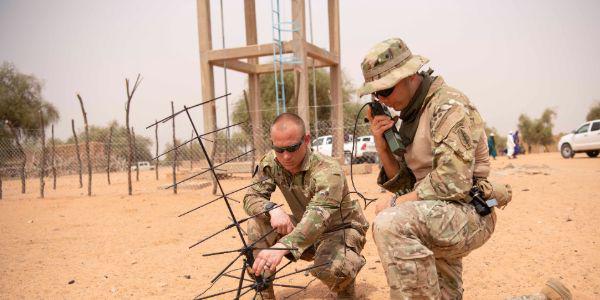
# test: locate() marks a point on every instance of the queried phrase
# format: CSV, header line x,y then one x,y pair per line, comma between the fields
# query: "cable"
x,y
367,200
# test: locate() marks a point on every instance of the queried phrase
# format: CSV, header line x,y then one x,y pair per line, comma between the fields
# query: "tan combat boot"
x,y
347,293
268,294
556,290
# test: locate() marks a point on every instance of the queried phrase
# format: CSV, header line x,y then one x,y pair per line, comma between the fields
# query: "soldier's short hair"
x,y
291,117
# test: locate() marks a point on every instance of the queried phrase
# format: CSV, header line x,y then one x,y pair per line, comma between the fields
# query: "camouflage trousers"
x,y
421,245
346,261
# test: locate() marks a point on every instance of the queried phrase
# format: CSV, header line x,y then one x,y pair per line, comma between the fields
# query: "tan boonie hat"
x,y
387,63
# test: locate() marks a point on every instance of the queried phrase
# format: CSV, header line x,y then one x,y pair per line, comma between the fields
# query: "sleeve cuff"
x,y
402,183
296,253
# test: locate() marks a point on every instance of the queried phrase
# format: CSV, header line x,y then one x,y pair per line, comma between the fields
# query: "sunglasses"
x,y
384,93
290,149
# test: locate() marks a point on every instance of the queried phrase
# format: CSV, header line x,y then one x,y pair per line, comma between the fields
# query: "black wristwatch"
x,y
268,207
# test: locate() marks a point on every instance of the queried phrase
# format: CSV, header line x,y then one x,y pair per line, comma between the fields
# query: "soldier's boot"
x,y
556,290
347,293
267,294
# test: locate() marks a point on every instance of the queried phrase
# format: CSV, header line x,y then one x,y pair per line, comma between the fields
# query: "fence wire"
x,y
67,158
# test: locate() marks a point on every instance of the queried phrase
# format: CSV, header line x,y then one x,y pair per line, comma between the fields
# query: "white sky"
x,y
509,57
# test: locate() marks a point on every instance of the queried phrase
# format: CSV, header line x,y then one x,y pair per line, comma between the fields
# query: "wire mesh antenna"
x,y
244,285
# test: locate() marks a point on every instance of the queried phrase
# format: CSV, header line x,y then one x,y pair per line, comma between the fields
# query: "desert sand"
x,y
112,245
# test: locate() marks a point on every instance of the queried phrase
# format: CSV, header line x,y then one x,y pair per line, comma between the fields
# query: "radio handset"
x,y
392,136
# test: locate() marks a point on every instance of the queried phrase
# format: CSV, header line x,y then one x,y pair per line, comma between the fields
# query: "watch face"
x,y
270,205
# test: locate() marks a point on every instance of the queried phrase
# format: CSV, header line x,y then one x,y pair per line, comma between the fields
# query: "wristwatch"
x,y
393,200
268,207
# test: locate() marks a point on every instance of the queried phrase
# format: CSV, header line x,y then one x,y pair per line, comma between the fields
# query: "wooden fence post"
x,y
77,151
43,156
87,145
127,106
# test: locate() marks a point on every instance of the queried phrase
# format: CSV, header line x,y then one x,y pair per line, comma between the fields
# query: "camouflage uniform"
x,y
323,231
421,243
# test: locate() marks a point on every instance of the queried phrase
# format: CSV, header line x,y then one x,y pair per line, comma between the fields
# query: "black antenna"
x,y
244,285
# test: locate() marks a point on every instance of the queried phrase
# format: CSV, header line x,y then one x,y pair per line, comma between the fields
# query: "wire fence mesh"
x,y
20,154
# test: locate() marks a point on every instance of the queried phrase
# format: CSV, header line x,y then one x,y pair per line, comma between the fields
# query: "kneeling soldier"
x,y
315,188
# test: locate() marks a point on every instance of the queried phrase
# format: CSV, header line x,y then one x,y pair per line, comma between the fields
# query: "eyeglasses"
x,y
290,149
384,93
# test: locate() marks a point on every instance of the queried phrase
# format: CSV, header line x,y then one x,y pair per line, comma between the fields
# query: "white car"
x,y
143,165
586,139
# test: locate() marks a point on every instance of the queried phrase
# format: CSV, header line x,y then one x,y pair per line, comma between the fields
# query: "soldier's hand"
x,y
379,124
381,204
280,221
384,203
268,259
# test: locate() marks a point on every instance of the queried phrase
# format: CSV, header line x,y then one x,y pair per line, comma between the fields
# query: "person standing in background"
x,y
517,144
510,145
492,145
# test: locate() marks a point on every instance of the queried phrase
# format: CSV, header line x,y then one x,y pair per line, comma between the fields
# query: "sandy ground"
x,y
116,246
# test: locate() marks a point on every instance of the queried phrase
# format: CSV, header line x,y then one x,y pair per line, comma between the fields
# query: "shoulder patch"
x,y
445,120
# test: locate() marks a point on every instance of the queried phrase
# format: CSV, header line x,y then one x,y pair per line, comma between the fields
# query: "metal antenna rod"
x,y
245,252
202,136
302,270
211,201
210,168
239,290
250,286
249,255
232,225
195,105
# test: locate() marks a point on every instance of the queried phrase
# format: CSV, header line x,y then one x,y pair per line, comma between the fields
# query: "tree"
x,y
538,131
594,112
21,101
268,105
22,109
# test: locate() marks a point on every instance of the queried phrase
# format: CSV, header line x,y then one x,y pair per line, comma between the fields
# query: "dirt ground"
x,y
116,246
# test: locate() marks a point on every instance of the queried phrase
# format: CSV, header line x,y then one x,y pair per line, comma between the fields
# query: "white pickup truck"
x,y
143,165
586,139
364,151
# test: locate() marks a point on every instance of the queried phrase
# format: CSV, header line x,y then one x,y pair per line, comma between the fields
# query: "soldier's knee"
x,y
336,275
396,221
384,221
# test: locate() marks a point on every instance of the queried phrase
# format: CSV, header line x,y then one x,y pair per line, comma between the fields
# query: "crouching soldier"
x,y
315,189
443,207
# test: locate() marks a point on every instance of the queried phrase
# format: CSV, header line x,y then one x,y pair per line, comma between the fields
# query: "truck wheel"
x,y
566,151
592,153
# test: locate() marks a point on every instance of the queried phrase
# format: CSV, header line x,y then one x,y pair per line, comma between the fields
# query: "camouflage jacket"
x,y
449,149
314,196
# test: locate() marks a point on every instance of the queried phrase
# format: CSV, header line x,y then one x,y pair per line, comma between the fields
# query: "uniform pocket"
x,y
447,224
412,275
